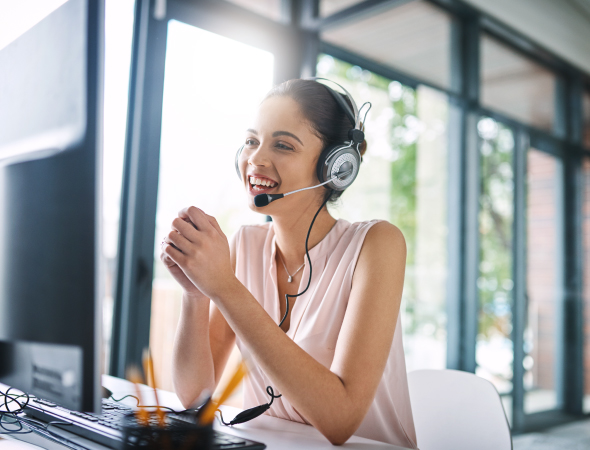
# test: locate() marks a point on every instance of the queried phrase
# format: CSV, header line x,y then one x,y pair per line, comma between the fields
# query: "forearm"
x,y
317,394
193,368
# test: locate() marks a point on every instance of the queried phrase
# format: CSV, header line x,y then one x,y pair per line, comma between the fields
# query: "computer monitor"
x,y
50,185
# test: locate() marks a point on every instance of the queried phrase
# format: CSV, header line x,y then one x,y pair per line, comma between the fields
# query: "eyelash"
x,y
278,145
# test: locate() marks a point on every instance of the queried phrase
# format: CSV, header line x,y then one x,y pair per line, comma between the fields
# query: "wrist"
x,y
230,288
194,297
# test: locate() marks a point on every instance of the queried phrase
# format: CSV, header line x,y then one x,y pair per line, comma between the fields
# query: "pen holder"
x,y
175,435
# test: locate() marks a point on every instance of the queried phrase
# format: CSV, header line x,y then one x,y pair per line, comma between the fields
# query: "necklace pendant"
x,y
289,279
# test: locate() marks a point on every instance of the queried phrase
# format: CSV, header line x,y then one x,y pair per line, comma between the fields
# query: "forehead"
x,y
281,113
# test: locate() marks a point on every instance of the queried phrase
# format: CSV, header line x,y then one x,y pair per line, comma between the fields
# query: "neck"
x,y
291,232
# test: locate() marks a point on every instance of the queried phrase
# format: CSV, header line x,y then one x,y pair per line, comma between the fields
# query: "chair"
x,y
456,410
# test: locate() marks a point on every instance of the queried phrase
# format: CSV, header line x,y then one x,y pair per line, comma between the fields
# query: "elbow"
x,y
338,435
188,396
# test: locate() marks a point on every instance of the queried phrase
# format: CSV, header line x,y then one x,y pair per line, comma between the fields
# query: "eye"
x,y
283,146
251,141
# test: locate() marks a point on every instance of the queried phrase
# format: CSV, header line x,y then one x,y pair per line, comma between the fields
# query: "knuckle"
x,y
172,234
177,222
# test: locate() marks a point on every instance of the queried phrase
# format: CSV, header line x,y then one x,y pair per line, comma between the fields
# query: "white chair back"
x,y
456,410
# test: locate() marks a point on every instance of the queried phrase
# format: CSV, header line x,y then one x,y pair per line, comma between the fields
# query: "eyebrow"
x,y
278,133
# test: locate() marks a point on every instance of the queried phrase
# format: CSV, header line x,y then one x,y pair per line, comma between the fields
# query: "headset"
x,y
338,165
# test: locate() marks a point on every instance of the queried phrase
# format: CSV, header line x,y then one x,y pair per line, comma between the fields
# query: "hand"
x,y
201,250
187,285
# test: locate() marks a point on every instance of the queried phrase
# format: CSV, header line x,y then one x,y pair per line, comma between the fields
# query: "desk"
x,y
277,434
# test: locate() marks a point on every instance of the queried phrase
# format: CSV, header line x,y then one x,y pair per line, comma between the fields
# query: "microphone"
x,y
264,199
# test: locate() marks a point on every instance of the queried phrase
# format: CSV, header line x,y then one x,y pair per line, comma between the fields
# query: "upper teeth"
x,y
262,182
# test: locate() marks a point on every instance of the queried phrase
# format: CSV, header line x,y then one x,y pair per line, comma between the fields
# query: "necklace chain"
x,y
290,279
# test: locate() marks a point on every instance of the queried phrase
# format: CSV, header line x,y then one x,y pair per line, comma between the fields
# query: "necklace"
x,y
290,279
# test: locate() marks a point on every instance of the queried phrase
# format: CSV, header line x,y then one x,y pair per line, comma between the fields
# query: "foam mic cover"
x,y
264,199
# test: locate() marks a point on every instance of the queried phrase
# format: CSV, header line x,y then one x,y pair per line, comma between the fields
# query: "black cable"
x,y
145,406
256,411
7,398
308,260
251,413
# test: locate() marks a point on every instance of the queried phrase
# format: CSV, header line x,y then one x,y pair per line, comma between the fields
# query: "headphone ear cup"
x,y
334,160
238,153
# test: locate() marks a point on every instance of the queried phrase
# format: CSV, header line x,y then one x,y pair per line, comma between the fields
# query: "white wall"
x,y
560,26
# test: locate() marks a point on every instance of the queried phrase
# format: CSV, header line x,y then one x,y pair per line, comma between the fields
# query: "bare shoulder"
x,y
384,240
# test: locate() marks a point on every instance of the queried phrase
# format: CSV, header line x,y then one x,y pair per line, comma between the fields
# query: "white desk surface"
x,y
277,434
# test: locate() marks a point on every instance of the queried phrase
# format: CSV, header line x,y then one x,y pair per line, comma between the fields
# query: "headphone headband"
x,y
352,115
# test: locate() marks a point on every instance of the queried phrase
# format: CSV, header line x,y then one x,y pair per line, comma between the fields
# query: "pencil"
x,y
210,408
134,375
148,368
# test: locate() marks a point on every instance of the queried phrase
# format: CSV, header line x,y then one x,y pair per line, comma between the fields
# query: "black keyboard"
x,y
106,428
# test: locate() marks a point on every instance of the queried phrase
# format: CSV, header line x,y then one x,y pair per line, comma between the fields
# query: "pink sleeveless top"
x,y
316,319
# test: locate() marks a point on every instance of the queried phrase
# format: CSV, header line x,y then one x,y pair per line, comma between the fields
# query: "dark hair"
x,y
325,116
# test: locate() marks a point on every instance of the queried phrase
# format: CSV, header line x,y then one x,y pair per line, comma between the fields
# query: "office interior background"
x,y
478,150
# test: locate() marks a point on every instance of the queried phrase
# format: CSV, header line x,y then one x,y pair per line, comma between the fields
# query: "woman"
x,y
337,358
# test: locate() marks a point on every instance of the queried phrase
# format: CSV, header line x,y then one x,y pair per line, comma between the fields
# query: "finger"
x,y
213,222
174,254
186,229
179,241
166,259
196,216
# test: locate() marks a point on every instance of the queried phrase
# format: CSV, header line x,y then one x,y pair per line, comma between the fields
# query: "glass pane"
x,y
403,179
118,35
586,278
516,86
329,7
204,116
494,350
586,132
414,38
543,279
268,8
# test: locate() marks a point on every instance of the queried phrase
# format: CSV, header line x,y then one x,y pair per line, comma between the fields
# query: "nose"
x,y
258,157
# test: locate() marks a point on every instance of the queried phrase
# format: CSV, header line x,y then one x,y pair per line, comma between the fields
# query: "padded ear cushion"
x,y
238,153
335,159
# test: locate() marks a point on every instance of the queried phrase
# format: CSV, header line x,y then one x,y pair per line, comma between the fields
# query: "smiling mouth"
x,y
261,184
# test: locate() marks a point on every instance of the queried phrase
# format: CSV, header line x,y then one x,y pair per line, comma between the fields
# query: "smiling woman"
x,y
326,334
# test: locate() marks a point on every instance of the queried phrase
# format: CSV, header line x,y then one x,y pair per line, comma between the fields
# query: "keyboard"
x,y
106,428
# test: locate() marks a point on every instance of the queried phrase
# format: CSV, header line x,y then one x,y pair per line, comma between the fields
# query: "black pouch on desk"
x,y
176,435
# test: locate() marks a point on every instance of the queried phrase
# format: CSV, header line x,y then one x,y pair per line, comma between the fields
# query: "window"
x,y
494,351
516,86
414,38
403,179
205,114
544,281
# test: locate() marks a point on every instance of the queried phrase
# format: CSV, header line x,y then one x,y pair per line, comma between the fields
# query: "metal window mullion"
x,y
520,299
131,316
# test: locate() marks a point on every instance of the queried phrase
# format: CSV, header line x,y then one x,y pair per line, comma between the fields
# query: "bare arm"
x,y
203,340
333,400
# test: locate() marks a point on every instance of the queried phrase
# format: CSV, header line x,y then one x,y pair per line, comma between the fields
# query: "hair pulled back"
x,y
326,118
